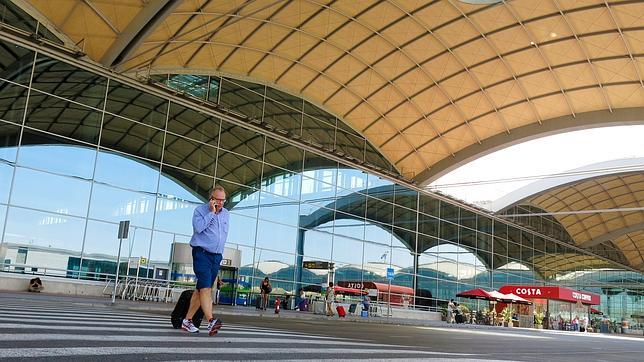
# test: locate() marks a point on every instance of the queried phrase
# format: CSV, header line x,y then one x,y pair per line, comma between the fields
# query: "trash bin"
x,y
364,313
625,325
603,328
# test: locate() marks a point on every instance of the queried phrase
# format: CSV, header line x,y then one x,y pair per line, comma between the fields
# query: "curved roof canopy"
x,y
432,84
618,199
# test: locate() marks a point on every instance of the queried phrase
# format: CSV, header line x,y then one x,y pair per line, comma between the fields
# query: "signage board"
x,y
316,264
390,273
556,293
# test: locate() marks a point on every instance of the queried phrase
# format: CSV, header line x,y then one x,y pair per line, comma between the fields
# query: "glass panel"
x,y
425,243
242,229
381,188
319,114
283,155
241,200
429,205
174,215
350,180
468,219
69,82
213,92
319,132
282,117
281,182
379,211
128,102
349,250
112,204
313,162
192,124
194,85
47,192
3,214
449,212
101,245
161,247
126,172
350,145
317,245
67,158
285,98
448,231
193,187
242,100
427,225
373,156
276,266
133,138
239,169
189,155
135,247
402,256
405,218
405,197
12,102
9,136
15,63
484,224
276,237
61,117
278,209
241,141
43,231
6,173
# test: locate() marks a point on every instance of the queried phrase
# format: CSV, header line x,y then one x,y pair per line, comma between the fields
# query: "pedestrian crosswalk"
x,y
63,331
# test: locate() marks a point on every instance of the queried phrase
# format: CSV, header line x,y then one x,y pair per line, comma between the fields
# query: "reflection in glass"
x,y
196,186
161,245
276,237
242,100
12,102
134,138
239,169
122,171
275,265
9,136
72,160
15,62
64,80
318,244
242,229
113,204
128,102
48,192
192,124
64,118
174,215
283,117
283,155
241,141
278,209
347,250
44,231
6,173
189,155
101,241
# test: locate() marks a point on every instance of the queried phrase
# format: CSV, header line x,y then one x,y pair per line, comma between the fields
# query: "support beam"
x,y
146,21
611,235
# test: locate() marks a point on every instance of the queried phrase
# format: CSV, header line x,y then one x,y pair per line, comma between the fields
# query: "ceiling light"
x,y
553,35
531,43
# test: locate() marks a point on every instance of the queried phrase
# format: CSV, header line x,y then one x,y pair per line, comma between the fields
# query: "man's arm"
x,y
200,222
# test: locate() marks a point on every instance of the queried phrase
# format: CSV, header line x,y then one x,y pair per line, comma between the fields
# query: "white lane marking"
x,y
187,338
483,332
83,314
107,351
225,330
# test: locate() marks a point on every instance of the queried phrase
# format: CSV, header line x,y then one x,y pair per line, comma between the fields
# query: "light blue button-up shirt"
x,y
210,229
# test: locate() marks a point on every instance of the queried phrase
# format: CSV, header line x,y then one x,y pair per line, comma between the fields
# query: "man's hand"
x,y
213,207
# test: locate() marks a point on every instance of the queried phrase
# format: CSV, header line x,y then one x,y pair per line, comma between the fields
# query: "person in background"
x,y
299,302
366,301
450,311
329,299
265,289
210,226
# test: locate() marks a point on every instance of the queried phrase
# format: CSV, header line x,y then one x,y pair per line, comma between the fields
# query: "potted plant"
x,y
465,310
538,320
506,314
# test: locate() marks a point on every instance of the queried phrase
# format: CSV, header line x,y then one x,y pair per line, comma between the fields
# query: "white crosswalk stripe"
x,y
58,331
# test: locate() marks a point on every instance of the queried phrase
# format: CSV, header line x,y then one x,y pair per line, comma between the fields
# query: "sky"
x,y
547,155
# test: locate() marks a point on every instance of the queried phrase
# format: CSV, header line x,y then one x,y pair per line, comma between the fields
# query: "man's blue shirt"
x,y
210,229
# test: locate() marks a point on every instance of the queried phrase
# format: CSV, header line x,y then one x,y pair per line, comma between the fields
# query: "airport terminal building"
x,y
85,144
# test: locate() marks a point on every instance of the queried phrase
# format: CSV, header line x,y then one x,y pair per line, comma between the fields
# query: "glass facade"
x,y
81,151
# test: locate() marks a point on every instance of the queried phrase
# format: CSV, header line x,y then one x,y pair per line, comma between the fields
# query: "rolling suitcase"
x,y
341,312
181,309
352,308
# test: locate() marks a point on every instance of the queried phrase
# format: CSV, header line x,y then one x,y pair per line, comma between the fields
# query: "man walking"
x,y
210,226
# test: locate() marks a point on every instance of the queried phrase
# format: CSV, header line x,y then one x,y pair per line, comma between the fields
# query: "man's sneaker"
x,y
187,325
213,326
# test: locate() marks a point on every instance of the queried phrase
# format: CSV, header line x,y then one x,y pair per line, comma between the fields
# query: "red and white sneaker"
x,y
213,326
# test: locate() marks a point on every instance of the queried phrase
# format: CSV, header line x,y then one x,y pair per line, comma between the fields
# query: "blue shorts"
x,y
206,266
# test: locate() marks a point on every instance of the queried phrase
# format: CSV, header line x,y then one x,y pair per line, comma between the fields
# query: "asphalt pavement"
x,y
50,327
